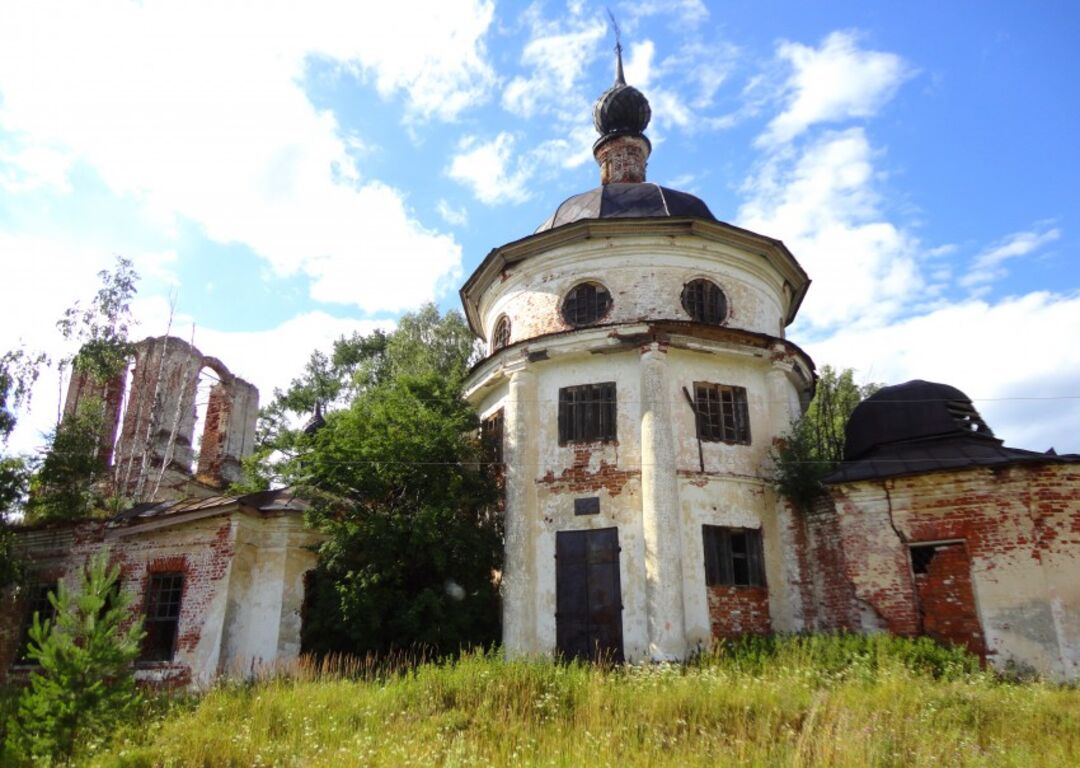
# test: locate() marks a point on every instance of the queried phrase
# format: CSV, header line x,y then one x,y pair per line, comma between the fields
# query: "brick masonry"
x,y
736,611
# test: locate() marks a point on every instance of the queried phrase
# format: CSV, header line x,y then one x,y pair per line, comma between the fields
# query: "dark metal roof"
x,y
280,499
628,201
913,410
938,454
923,426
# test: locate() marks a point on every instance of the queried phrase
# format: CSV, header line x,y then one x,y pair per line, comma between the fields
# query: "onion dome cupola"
x,y
621,115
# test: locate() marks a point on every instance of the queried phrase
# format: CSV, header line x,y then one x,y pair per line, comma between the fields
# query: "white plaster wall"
x,y
645,276
733,491
266,592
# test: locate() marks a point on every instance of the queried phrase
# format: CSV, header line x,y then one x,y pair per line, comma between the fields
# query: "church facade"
x,y
637,377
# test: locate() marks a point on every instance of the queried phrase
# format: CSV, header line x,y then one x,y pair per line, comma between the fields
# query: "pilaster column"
x,y
519,561
660,511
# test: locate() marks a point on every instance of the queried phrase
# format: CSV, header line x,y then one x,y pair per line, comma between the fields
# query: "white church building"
x,y
638,374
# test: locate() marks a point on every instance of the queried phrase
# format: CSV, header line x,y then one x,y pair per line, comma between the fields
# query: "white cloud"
x,y
823,205
1007,356
44,276
835,82
558,54
987,268
197,111
454,215
489,169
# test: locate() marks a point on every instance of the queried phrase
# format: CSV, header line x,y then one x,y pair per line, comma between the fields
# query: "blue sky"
x,y
287,176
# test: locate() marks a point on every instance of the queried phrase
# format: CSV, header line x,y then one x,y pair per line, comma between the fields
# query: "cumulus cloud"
x,y
1007,355
454,215
823,204
490,170
558,53
837,81
987,266
198,112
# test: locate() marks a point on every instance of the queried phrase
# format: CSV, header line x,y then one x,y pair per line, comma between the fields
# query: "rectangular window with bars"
x,y
733,556
162,616
722,413
587,413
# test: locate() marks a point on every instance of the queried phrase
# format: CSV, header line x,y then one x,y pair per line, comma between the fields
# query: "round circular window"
x,y
585,304
704,302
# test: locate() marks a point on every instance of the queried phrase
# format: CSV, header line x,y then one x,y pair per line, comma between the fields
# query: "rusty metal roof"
x,y
628,201
278,500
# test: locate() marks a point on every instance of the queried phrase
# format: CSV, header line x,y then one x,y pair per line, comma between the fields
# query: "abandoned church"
x,y
637,375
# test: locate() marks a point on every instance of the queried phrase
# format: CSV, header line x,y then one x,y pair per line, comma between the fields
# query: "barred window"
x,y
37,603
162,616
501,337
704,302
585,304
722,413
733,557
587,413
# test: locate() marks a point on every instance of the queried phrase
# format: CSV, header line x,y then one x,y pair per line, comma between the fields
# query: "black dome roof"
x,y
627,201
621,109
915,410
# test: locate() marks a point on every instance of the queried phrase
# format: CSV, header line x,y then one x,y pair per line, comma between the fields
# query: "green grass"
x,y
803,701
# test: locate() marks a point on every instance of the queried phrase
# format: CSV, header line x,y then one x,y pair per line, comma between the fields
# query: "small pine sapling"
x,y
84,685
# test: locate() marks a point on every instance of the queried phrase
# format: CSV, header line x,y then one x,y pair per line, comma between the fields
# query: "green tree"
x,y
814,446
394,478
84,684
72,479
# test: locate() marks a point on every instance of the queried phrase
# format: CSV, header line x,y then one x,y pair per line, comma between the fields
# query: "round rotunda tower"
x,y
636,379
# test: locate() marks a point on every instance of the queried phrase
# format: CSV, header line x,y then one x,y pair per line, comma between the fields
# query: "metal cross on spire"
x,y
620,79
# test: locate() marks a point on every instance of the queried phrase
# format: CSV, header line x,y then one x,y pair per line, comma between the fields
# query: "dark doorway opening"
x,y
588,612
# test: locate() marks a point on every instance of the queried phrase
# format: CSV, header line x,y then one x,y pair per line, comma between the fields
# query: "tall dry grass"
x,y
825,701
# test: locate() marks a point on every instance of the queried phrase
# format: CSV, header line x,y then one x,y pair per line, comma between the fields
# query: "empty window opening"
x,y
162,616
722,413
501,337
733,556
704,302
921,556
491,438
967,418
587,413
585,304
37,603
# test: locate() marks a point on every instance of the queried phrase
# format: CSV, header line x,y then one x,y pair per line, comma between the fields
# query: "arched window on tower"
x,y
501,337
704,302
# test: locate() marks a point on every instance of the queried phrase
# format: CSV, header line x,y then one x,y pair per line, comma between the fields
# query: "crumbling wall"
x,y
229,430
84,389
1018,527
156,446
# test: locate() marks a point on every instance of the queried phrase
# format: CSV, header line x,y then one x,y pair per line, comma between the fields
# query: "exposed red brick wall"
x,y
735,611
947,600
1003,517
212,447
201,550
578,479
622,160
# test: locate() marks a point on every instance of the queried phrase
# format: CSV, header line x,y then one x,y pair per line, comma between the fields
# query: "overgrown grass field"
x,y
800,701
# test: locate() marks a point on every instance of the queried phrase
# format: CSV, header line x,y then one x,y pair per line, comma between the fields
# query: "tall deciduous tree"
x,y
814,446
395,481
